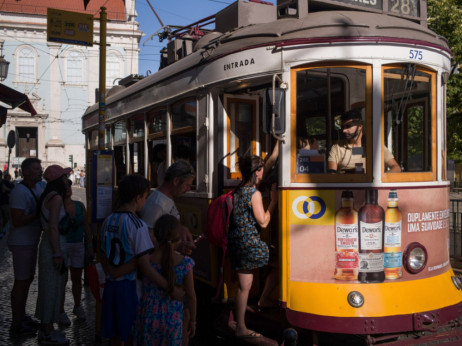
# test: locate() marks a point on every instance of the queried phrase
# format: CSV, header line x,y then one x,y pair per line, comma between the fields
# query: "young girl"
x,y
160,318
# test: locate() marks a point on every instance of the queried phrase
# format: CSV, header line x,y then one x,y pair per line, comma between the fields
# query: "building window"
x,y
26,65
113,69
27,144
74,67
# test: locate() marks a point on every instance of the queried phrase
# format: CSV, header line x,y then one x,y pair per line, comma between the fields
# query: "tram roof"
x,y
315,28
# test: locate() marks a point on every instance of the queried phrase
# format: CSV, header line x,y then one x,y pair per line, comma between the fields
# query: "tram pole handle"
x,y
273,116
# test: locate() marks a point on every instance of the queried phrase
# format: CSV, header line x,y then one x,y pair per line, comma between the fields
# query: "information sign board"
x,y
69,27
102,184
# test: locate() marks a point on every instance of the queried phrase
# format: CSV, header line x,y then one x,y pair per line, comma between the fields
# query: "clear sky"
x,y
171,12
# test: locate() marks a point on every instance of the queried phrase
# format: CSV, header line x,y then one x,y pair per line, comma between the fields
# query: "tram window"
x,y
242,131
157,122
137,126
157,149
120,132
120,159
183,133
184,148
409,118
136,147
157,157
94,139
137,157
107,138
323,95
184,114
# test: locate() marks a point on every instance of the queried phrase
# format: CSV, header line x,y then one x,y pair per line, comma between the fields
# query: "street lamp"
x,y
3,68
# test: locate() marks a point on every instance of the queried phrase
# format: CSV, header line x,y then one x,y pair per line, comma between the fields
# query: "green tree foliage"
x,y
445,18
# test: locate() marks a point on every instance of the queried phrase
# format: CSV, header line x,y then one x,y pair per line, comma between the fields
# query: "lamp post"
x,y
3,68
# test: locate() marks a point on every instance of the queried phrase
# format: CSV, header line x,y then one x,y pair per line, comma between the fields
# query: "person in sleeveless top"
x,y
78,248
51,255
245,248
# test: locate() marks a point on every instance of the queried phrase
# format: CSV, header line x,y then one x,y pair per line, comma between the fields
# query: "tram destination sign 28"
x,y
411,9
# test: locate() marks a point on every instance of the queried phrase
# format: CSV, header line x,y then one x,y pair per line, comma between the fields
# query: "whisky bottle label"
x,y
346,260
393,234
347,237
393,260
370,262
371,236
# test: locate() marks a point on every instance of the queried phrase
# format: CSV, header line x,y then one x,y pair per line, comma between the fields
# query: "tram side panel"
x,y
316,300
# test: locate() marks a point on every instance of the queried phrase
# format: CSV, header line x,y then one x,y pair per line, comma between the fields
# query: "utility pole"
x,y
102,79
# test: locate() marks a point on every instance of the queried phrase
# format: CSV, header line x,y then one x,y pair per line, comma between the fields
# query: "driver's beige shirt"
x,y
342,154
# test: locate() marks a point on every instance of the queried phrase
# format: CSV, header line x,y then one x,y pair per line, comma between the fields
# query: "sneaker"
x,y
79,312
54,338
31,322
23,329
63,320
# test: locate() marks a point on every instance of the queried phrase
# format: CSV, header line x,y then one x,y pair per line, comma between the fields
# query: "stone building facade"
x,y
60,79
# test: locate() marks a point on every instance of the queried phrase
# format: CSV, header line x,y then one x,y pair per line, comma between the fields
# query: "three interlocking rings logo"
x,y
309,207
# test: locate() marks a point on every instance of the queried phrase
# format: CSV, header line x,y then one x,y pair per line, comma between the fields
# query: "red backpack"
x,y
218,219
217,225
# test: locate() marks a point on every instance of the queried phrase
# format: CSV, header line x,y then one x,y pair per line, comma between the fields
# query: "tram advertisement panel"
x,y
360,235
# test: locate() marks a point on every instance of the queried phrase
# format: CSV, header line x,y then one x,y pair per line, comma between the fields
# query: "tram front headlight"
x,y
415,258
457,282
355,299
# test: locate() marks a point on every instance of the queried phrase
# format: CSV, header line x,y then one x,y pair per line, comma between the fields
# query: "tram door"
x,y
243,134
243,130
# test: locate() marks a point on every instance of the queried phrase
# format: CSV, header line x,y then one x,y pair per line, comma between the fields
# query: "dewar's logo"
x,y
312,207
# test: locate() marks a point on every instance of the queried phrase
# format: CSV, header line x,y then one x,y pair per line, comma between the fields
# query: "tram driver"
x,y
348,156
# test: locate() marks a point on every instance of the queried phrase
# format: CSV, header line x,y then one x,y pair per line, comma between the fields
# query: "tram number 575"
x,y
415,54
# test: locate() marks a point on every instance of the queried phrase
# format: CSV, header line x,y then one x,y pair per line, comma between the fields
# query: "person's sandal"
x,y
54,338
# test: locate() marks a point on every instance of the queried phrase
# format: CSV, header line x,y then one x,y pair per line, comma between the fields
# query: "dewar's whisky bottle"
x,y
393,256
346,239
371,240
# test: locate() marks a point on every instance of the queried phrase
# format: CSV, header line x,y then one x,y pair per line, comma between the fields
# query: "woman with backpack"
x,y
245,248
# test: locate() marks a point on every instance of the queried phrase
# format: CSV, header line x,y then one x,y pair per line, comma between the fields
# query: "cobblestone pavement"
x,y
79,333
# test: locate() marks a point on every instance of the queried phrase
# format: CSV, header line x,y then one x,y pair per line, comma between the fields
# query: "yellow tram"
x,y
290,72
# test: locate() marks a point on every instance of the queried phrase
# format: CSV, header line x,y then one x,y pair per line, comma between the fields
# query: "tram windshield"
x,y
333,123
326,141
408,123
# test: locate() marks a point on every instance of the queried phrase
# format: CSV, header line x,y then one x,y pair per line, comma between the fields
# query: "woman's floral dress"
x,y
159,319
246,250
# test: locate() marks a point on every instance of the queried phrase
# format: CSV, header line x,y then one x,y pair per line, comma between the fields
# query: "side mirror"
x,y
279,108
